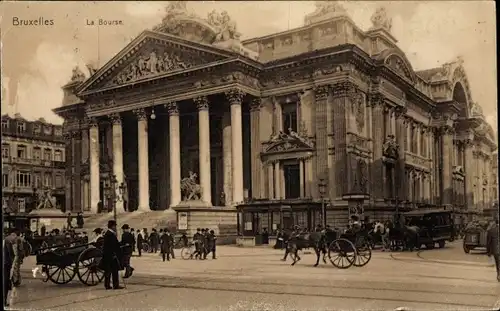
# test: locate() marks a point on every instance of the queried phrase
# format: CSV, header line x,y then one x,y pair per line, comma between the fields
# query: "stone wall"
x,y
222,220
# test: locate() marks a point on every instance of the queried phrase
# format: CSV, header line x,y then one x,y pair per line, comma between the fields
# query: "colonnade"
x,y
202,104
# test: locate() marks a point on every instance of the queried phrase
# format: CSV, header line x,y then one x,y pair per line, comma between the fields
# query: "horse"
x,y
315,240
406,237
380,233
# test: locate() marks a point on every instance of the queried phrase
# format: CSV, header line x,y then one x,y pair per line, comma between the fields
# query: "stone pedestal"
x,y
245,241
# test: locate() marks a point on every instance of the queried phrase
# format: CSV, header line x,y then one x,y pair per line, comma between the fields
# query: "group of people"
x,y
205,243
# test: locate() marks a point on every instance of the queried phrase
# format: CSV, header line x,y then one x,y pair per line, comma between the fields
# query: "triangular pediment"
x,y
151,55
292,142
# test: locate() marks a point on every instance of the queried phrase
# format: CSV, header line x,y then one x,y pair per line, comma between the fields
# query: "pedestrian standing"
x,y
8,263
197,243
69,220
79,220
140,240
212,242
110,257
492,248
154,241
127,242
15,241
134,236
165,245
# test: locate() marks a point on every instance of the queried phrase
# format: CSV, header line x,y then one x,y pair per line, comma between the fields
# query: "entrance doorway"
x,y
292,180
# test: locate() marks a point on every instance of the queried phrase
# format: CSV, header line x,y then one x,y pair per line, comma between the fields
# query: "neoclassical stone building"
x,y
277,123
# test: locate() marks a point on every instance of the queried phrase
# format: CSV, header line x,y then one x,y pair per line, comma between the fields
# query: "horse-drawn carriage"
x,y
61,264
343,250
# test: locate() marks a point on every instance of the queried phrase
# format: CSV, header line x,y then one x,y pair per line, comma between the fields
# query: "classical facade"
x,y
187,114
33,161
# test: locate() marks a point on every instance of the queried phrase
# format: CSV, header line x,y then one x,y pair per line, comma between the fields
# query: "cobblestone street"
x,y
256,279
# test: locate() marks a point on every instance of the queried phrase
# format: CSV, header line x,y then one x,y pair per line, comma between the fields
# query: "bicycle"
x,y
187,252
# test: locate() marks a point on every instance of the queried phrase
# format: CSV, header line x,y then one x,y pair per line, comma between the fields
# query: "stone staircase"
x,y
136,220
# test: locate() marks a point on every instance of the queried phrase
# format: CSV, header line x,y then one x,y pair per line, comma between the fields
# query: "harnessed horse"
x,y
315,240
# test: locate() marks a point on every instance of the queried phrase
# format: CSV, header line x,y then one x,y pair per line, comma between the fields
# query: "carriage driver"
x,y
295,233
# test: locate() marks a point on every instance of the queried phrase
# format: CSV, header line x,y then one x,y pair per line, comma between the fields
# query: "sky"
x,y
37,61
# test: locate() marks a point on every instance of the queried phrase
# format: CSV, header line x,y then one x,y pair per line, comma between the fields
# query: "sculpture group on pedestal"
x,y
191,190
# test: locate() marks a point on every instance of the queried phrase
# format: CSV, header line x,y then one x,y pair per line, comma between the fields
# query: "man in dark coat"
x,y
79,220
154,241
110,254
8,262
140,240
212,242
492,247
197,240
69,221
127,242
167,242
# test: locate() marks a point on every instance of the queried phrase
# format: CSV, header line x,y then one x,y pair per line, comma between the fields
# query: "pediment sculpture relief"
x,y
225,28
285,142
150,65
390,147
397,65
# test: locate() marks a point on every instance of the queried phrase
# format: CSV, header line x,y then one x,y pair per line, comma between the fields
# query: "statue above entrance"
x,y
325,10
380,19
225,27
77,75
191,190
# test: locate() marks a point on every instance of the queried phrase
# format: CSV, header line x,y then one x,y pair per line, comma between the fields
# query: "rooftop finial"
x,y
380,19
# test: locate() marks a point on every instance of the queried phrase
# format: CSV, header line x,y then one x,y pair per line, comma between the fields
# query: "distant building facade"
x,y
267,123
33,160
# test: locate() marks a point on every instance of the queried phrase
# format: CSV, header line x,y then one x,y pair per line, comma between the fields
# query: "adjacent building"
x,y
277,126
33,160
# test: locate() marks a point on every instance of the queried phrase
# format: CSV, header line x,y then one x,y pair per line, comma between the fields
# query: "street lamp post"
x,y
322,191
110,190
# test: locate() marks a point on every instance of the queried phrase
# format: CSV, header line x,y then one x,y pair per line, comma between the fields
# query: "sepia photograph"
x,y
249,155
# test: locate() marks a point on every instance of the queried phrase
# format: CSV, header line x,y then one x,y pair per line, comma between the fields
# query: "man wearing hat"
x,y
197,239
110,254
127,242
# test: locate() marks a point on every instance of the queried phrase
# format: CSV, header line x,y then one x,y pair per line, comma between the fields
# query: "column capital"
x,y
255,104
76,134
172,108
377,99
115,118
321,92
201,102
447,130
400,111
140,114
67,136
92,122
235,96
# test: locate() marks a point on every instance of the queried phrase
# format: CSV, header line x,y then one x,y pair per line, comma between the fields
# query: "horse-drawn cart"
x,y
60,265
474,239
343,250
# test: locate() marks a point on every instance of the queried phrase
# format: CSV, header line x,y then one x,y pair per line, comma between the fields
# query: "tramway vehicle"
x,y
435,226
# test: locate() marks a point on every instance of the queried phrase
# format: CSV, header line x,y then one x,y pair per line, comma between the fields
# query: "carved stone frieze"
x,y
377,99
115,118
153,63
357,141
235,96
327,70
201,102
343,89
235,77
140,114
282,142
284,78
172,108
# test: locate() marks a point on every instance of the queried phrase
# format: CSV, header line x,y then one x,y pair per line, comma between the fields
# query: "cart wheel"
x,y
441,244
88,266
61,275
145,247
187,252
342,253
363,255
466,248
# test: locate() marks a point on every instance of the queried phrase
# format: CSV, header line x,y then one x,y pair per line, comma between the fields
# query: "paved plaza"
x,y
256,279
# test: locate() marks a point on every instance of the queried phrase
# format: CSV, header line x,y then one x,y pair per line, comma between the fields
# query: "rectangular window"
x,y
58,155
5,124
47,155
47,180
58,181
5,180
21,205
5,151
289,115
21,152
37,153
37,181
47,129
37,128
21,126
292,181
23,179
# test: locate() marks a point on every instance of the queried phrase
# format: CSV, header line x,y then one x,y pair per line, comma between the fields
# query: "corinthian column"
x,y
204,148
256,163
235,97
447,136
226,157
401,140
377,103
94,165
117,156
469,173
143,161
175,154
